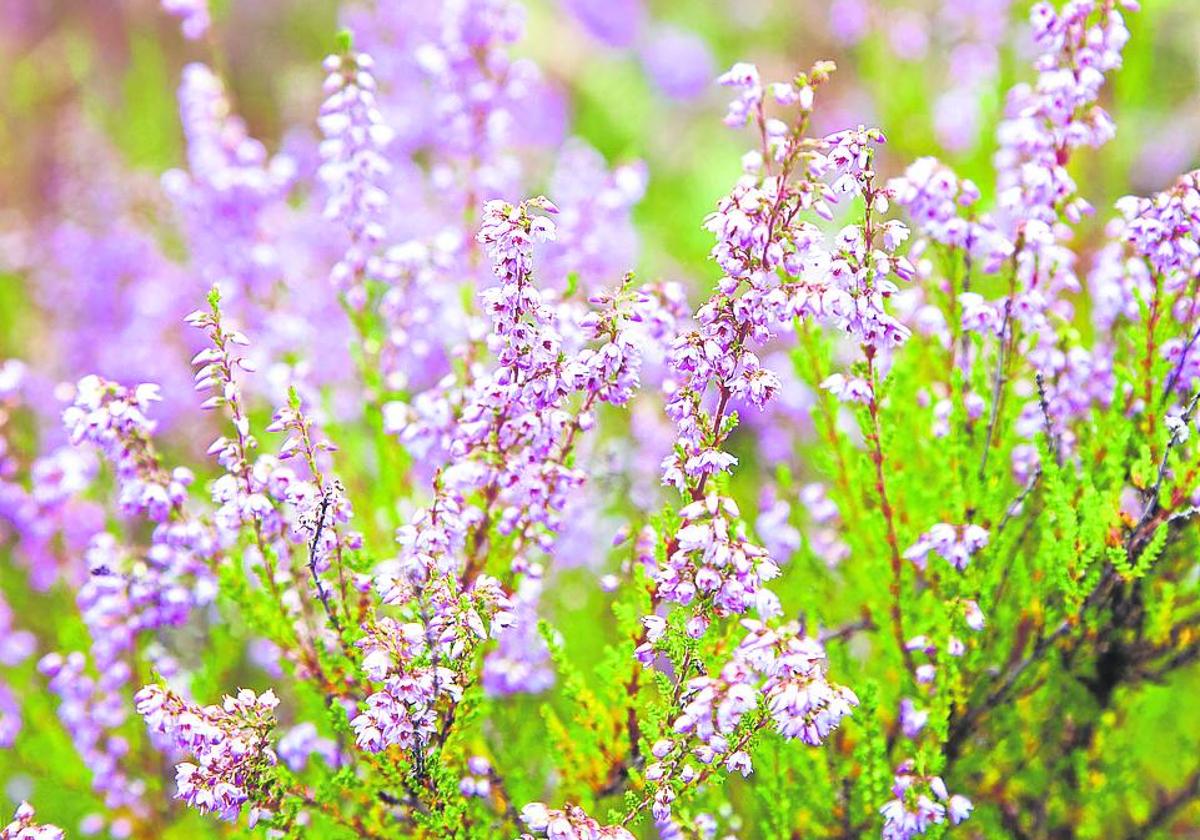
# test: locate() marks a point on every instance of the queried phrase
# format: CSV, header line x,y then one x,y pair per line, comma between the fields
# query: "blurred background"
x,y
92,84
98,263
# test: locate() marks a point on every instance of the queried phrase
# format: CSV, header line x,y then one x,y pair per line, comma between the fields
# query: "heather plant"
x,y
878,521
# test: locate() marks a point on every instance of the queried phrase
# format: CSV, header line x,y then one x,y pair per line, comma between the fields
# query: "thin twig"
x,y
875,436
1175,373
322,512
1018,502
1169,807
961,728
1152,496
1002,358
1044,405
997,388
864,624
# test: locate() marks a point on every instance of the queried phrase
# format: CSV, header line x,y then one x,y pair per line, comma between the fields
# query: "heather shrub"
x,y
422,471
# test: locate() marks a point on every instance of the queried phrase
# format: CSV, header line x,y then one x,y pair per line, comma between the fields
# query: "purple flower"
x,y
113,419
1059,112
958,808
934,198
912,719
301,742
195,19
615,22
746,106
230,744
920,802
594,236
780,538
802,702
402,713
786,669
954,544
520,663
739,762
1165,230
24,827
570,823
230,191
678,61
849,20
775,273
714,562
354,166
848,389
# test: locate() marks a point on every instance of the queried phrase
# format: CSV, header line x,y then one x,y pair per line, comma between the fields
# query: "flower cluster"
x,y
321,507
23,826
921,802
403,711
17,647
91,709
934,198
1059,112
126,595
49,518
954,544
594,239
779,267
232,192
571,823
230,745
514,429
478,783
514,434
775,677
244,493
299,744
113,420
354,165
1164,229
713,563
520,662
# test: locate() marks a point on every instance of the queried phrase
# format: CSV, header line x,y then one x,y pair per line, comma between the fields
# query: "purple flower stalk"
x,y
241,493
513,435
231,192
778,668
1059,112
230,745
112,419
354,166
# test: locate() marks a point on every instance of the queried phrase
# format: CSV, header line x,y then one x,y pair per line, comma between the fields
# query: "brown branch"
x,y
1136,536
1178,369
1002,355
961,728
322,512
885,507
1168,807
1015,507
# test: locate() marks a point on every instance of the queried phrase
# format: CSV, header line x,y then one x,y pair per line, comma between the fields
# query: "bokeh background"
x,y
634,79
92,259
